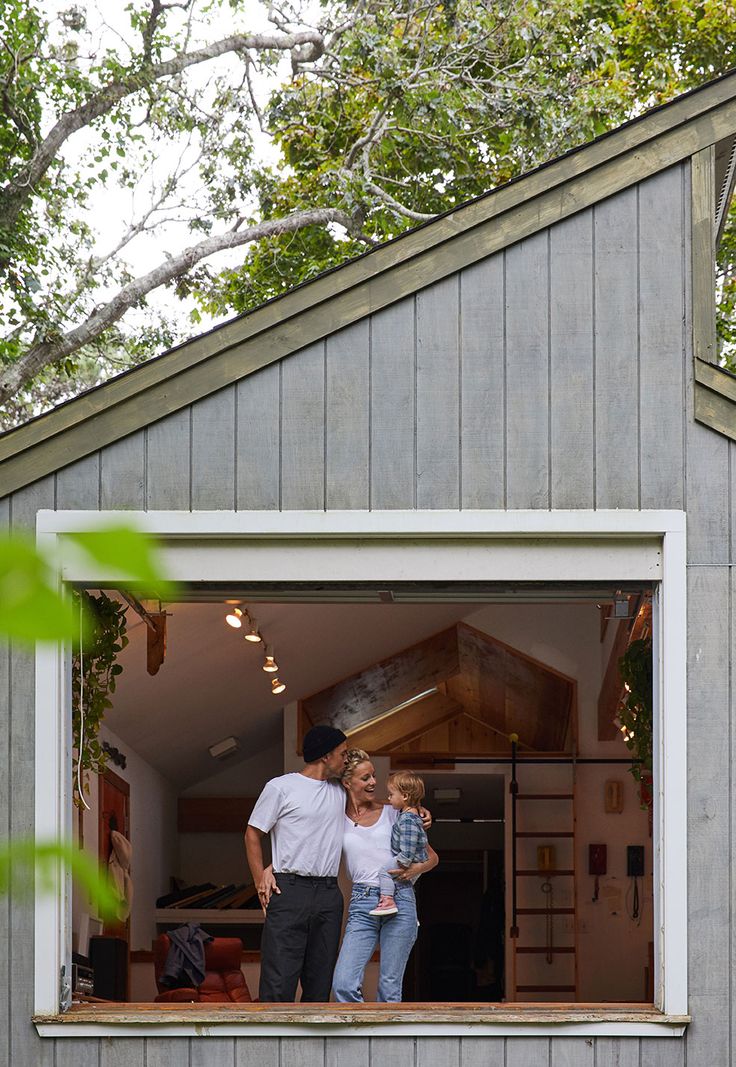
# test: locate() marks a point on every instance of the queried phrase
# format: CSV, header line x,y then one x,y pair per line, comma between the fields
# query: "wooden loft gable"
x,y
460,691
665,136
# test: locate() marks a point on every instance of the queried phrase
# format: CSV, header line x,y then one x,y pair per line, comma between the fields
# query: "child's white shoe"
x,y
390,909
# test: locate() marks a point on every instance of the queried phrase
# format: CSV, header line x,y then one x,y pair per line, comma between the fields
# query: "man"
x,y
304,813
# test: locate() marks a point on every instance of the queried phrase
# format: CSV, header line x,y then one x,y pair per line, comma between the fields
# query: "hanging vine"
x,y
94,674
635,710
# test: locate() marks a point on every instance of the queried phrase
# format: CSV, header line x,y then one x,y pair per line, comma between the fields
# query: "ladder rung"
x,y
545,989
544,796
546,874
555,950
545,911
545,833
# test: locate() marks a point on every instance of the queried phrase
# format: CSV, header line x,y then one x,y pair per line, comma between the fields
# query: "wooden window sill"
x,y
243,1020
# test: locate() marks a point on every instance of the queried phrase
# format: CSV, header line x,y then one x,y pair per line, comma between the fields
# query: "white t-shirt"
x,y
367,849
305,819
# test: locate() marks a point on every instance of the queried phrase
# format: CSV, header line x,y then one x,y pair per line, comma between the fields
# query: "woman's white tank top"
x,y
367,849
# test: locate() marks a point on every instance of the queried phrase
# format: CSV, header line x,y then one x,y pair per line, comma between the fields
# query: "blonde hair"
x,y
410,785
353,758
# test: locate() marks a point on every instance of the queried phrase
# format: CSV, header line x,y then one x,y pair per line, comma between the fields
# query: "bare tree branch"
x,y
400,209
43,352
17,192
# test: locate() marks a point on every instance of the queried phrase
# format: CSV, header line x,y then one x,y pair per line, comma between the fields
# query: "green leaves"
x,y
121,549
430,103
94,675
26,865
33,605
635,710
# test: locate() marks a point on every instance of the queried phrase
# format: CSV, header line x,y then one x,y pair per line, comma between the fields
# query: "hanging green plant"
x,y
635,710
94,674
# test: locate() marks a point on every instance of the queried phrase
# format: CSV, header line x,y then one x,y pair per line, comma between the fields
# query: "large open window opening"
x,y
506,699
437,636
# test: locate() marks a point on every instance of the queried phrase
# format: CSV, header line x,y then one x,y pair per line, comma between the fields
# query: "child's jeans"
x,y
395,934
387,884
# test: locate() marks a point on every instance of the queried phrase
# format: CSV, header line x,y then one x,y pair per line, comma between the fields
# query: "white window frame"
x,y
395,545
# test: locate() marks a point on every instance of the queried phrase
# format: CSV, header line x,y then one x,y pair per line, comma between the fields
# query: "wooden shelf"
x,y
211,916
544,796
546,874
545,833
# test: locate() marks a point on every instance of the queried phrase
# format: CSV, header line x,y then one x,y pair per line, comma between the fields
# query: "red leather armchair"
x,y
224,982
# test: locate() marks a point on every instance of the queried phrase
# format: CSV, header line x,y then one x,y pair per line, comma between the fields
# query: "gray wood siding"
x,y
548,375
551,374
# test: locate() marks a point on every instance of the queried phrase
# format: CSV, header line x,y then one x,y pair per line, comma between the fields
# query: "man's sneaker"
x,y
390,910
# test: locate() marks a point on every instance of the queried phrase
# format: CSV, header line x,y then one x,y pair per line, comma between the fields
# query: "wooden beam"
x,y
703,199
213,815
716,412
403,727
357,700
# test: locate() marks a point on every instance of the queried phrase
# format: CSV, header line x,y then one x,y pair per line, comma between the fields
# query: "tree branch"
x,y
43,352
17,192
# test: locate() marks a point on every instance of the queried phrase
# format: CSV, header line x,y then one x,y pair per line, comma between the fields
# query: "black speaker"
x,y
109,959
635,861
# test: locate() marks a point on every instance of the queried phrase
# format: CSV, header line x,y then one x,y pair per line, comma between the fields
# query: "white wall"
x,y
152,836
220,858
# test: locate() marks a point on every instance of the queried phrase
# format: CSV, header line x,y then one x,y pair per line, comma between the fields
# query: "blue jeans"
x,y
395,934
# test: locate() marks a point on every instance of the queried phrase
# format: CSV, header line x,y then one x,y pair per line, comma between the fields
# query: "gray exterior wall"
x,y
556,374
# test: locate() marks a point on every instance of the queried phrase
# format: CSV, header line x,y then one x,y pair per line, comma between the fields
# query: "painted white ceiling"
x,y
211,684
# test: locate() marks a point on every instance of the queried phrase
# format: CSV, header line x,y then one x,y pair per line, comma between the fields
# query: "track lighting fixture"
x,y
269,664
277,686
252,634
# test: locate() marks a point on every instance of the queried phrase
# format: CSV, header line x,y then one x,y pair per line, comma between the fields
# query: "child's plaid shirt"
x,y
408,840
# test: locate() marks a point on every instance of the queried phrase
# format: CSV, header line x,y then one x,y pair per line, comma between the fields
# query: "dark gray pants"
x,y
301,937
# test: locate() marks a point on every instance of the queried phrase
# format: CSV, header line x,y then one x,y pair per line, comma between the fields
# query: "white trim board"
x,y
208,544
657,1029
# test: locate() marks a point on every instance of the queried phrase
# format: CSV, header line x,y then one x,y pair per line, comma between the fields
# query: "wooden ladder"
x,y
528,896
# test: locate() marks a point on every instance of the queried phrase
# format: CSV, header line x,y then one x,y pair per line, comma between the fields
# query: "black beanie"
x,y
319,741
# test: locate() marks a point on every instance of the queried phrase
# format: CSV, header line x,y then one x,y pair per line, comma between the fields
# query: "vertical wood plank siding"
x,y
616,351
25,1048
550,375
5,796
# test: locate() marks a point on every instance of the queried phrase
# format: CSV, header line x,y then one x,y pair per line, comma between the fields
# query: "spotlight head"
x,y
270,666
234,618
277,686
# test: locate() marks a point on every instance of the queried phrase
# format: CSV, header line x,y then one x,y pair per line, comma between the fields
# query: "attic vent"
x,y
724,194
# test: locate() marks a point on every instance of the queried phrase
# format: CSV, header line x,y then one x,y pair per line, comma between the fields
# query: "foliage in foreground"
x,y
33,607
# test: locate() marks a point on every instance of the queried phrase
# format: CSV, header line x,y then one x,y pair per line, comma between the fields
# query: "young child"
x,y
408,837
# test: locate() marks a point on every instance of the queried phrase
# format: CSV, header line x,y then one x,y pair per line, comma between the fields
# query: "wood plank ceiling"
x,y
458,692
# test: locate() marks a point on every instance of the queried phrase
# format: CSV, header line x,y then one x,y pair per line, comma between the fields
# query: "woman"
x,y
367,852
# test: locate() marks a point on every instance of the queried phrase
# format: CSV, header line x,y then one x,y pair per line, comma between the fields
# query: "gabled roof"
x,y
468,233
